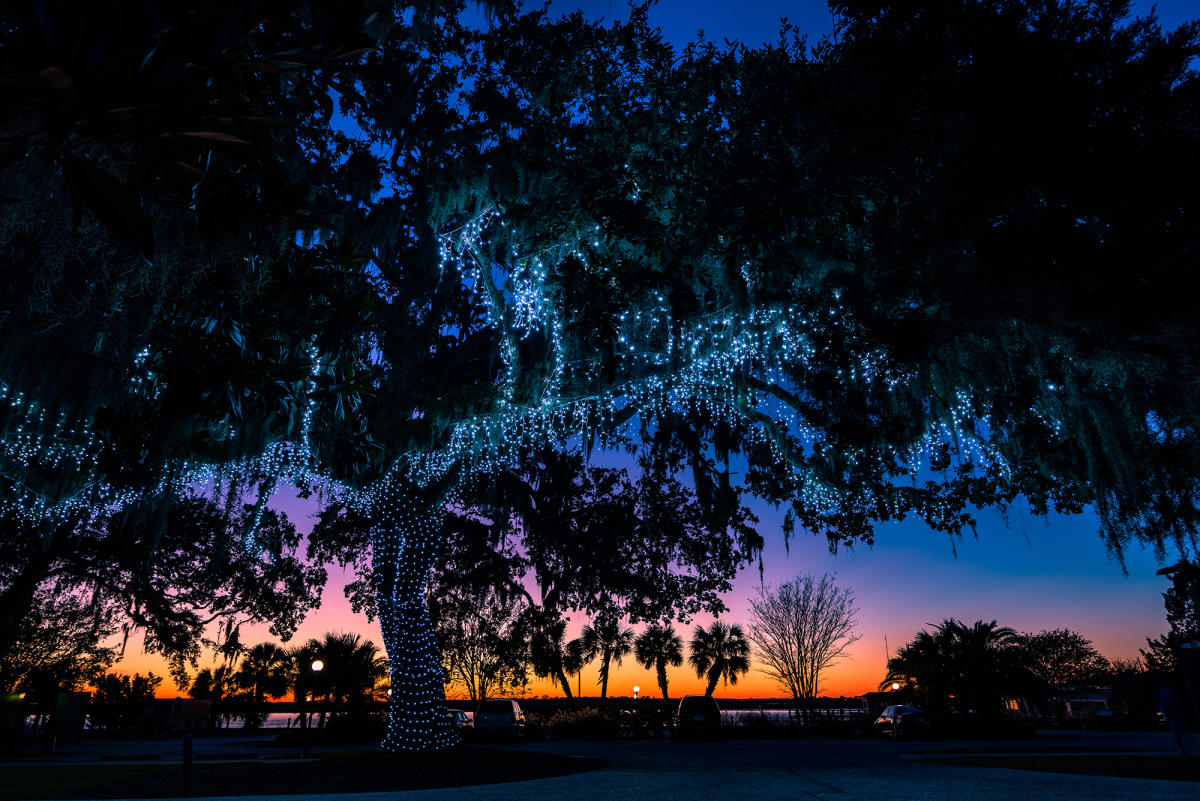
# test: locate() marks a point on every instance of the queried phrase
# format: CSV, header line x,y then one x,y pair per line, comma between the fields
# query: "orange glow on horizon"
x,y
902,585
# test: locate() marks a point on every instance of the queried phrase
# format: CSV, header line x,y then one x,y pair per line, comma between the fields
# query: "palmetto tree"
x,y
608,639
573,660
215,684
212,683
353,668
265,671
301,676
657,647
548,655
719,652
977,666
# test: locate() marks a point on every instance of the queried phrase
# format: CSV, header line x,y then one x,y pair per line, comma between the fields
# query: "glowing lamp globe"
x,y
318,666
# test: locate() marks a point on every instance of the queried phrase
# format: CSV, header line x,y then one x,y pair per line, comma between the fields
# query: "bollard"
x,y
188,738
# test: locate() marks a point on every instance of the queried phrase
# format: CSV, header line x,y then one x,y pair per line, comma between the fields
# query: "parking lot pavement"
x,y
169,751
774,770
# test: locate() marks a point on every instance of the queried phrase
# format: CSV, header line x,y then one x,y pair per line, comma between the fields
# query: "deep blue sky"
x,y
753,22
750,22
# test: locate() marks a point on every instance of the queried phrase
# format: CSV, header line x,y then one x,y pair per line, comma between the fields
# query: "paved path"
x,y
779,770
169,751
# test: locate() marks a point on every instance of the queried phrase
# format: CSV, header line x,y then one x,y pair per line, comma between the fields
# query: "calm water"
x,y
280,720
730,716
275,720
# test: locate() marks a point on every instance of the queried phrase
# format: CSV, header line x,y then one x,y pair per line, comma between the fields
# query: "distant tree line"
x,y
982,672
351,676
347,690
798,629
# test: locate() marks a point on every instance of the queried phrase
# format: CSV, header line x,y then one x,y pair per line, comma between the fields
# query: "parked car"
x,y
698,716
901,721
459,719
502,717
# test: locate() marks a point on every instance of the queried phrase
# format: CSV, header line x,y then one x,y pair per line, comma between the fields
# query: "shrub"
x,y
535,726
583,724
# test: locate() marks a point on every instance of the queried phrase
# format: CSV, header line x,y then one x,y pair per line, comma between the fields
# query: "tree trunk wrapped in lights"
x,y
405,540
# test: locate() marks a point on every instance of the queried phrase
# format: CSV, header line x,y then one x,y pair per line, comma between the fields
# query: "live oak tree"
x,y
159,314
170,310
1068,663
61,643
886,278
484,645
1066,659
482,630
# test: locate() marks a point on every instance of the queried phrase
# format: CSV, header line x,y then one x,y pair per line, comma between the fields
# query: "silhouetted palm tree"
x,y
353,668
657,647
719,652
974,666
573,661
265,671
609,640
214,684
300,659
548,650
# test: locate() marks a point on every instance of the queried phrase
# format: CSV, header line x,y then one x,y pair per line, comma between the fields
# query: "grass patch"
x,y
1124,766
359,772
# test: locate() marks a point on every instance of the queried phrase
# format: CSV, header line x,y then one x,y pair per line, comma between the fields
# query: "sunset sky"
x,y
1029,574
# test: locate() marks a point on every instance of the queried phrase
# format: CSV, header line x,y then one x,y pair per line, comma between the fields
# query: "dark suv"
x,y
698,717
900,721
502,718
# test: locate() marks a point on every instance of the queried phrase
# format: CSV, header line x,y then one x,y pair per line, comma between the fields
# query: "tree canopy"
x,y
929,264
924,266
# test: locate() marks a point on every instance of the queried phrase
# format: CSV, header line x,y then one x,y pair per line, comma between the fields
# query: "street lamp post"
x,y
316,667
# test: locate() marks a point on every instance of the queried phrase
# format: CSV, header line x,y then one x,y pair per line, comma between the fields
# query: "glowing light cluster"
x,y
405,539
714,366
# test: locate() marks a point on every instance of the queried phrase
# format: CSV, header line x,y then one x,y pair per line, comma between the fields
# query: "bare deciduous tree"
x,y
800,628
484,646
